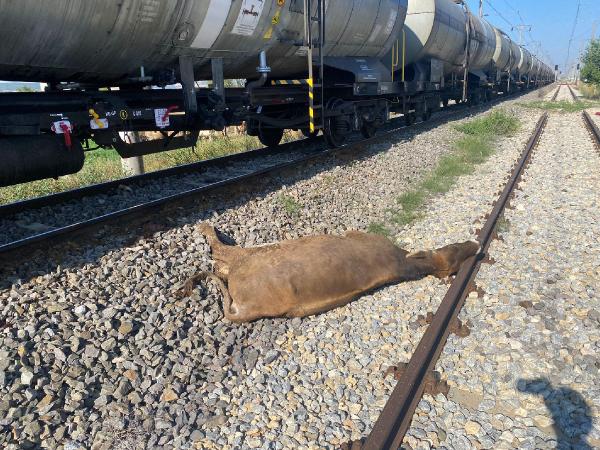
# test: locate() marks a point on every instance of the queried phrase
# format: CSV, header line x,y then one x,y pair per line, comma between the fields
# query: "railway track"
x,y
201,179
592,128
396,417
572,92
101,286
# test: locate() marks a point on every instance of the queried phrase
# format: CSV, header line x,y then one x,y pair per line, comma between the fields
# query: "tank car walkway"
x,y
527,376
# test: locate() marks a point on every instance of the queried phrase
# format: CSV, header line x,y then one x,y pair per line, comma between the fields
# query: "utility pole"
x,y
521,29
480,8
594,25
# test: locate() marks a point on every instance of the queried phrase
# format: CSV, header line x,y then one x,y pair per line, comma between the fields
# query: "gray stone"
x,y
196,436
270,356
26,377
60,355
91,351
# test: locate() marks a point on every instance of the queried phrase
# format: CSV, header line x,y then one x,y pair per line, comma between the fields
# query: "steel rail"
x,y
153,205
573,95
105,187
592,127
555,96
396,417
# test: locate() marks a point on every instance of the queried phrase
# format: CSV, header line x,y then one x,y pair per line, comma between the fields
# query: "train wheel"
x,y
270,137
409,119
445,102
336,132
426,115
368,130
337,128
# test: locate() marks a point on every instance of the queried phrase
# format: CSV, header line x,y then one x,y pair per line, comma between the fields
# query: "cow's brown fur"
x,y
300,277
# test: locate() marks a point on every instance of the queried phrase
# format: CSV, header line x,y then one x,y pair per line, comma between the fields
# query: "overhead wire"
x,y
499,13
572,35
529,39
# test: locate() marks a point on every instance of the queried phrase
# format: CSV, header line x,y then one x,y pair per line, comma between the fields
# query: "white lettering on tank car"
x,y
149,11
391,22
213,23
248,17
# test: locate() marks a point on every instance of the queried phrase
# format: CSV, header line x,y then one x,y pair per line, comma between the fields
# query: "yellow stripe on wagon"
x,y
289,82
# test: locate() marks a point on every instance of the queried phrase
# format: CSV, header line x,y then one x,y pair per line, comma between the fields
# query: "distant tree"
x,y
591,63
25,89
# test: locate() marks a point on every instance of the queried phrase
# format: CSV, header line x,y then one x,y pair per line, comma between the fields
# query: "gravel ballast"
x,y
98,351
527,376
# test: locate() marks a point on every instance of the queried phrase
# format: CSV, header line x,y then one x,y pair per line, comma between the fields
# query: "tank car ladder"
x,y
314,46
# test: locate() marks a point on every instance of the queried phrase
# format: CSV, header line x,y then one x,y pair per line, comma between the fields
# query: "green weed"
x,y
290,205
474,148
590,91
498,123
503,225
378,228
562,106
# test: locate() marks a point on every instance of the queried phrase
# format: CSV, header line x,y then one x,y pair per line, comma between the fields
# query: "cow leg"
x,y
228,308
442,262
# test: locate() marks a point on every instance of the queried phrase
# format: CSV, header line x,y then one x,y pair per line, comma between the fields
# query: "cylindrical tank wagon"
x,y
334,66
110,41
502,53
525,62
439,29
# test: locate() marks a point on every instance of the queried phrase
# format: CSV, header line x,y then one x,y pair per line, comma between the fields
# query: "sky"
x,y
552,23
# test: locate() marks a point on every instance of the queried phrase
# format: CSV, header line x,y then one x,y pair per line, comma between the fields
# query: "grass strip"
x,y
561,106
474,147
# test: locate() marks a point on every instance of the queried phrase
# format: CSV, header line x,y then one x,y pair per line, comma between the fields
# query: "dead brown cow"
x,y
300,277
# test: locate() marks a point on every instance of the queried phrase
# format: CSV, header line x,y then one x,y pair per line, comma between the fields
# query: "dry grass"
x,y
590,91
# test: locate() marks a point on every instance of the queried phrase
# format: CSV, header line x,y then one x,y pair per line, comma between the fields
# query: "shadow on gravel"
x,y
75,253
571,414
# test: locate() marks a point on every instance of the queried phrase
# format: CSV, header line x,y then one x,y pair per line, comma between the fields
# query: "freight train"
x,y
329,66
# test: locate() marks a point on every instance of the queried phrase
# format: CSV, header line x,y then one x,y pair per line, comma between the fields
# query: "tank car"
x,y
112,42
329,66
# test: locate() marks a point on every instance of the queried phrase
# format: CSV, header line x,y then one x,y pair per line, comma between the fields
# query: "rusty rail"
x,y
555,96
592,127
396,417
575,99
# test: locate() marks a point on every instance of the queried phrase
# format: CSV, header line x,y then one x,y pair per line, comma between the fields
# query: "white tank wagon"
x,y
536,70
507,54
439,29
525,62
482,33
502,57
515,56
329,66
110,41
